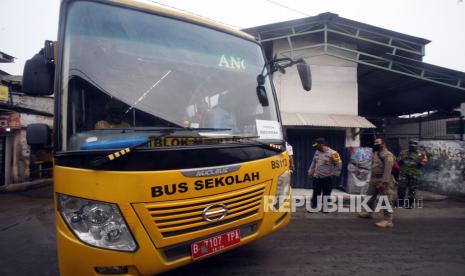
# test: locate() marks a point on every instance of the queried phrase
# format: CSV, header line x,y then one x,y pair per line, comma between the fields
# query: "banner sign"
x,y
10,120
4,93
453,127
359,169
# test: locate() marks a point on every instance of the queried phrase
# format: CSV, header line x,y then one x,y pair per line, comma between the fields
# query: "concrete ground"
x,y
27,233
426,241
424,195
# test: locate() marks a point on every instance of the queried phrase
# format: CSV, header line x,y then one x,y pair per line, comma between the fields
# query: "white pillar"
x,y
351,140
462,109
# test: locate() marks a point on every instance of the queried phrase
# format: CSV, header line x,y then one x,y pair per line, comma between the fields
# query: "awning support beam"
x,y
394,43
374,61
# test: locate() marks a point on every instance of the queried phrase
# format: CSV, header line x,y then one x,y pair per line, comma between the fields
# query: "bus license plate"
x,y
215,244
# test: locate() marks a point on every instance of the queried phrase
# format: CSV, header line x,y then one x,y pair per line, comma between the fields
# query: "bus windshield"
x,y
130,70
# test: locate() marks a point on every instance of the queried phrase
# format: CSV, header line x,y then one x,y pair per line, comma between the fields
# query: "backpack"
x,y
395,168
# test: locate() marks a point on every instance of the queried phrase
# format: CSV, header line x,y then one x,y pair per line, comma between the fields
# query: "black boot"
x,y
411,203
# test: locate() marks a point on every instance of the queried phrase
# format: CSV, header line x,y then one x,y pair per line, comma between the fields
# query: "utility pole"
x,y
461,122
419,128
461,127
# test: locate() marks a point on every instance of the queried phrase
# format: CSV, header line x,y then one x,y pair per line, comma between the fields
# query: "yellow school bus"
x,y
167,137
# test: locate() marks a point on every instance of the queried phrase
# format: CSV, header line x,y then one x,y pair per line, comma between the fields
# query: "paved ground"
x,y
428,241
27,233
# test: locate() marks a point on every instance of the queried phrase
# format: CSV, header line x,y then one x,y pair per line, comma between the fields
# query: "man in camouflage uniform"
x,y
381,182
410,162
326,165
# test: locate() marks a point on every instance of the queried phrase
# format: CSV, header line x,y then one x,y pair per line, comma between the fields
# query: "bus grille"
x,y
178,218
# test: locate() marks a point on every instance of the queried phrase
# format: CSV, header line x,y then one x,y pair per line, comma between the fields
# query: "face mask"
x,y
376,147
412,148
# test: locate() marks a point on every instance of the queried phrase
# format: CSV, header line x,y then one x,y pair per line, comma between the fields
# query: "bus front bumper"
x,y
77,258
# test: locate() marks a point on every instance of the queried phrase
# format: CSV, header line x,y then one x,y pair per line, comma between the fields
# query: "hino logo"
x,y
211,171
215,212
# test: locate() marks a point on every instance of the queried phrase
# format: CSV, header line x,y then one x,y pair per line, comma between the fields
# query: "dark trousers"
x,y
408,188
321,186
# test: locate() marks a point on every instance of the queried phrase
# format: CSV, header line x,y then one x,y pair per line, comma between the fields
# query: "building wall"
x,y
17,151
334,90
8,154
44,104
445,171
334,86
399,132
20,170
20,158
27,119
435,129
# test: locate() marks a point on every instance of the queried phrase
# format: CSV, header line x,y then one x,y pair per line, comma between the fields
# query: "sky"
x,y
26,24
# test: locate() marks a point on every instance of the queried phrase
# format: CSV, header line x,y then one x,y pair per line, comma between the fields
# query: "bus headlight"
x,y
283,189
96,223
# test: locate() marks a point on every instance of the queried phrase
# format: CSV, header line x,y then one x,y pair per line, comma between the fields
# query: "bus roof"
x,y
184,16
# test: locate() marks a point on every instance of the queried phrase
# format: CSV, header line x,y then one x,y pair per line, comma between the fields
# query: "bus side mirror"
x,y
262,97
38,135
305,74
38,72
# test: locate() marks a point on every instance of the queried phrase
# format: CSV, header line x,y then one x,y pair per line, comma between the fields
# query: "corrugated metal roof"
x,y
332,17
6,58
12,78
3,73
324,120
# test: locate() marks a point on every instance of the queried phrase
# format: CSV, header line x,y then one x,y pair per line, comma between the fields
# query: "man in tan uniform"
x,y
381,182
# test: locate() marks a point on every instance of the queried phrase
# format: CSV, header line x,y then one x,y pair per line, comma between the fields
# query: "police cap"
x,y
319,141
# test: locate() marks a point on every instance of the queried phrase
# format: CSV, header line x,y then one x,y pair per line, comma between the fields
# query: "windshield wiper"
x,y
162,129
99,161
201,129
251,140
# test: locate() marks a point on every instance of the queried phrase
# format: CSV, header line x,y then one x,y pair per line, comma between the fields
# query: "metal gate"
x,y
301,140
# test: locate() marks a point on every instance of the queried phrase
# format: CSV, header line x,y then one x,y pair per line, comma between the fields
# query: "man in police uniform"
x,y
381,182
326,164
411,161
